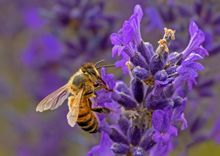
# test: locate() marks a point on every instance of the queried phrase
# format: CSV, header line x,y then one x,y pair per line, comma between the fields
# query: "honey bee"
x,y
79,90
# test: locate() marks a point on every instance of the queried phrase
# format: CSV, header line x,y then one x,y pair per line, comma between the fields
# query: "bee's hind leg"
x,y
101,110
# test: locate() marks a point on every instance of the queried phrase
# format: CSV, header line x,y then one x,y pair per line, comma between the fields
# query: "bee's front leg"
x,y
99,86
101,110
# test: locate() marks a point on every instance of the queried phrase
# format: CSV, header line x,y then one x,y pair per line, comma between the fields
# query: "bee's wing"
x,y
74,103
53,100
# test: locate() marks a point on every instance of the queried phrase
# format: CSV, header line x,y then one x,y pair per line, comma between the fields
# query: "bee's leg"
x,y
101,86
89,92
101,110
104,85
97,87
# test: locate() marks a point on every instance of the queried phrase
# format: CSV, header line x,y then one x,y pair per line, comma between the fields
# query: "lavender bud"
x,y
146,49
138,152
122,87
174,58
156,64
171,70
137,89
169,102
164,103
120,148
158,89
123,124
116,136
134,135
138,60
155,103
147,142
141,73
161,75
168,90
124,100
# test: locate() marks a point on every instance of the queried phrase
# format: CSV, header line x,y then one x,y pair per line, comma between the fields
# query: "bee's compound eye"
x,y
91,71
84,70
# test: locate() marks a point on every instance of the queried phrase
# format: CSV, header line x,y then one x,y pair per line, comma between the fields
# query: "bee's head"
x,y
90,69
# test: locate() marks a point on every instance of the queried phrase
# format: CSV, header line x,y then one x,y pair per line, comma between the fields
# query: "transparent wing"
x,y
53,100
73,103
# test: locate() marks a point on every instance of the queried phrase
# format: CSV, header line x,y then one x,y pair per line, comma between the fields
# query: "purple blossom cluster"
x,y
82,25
149,113
206,14
176,14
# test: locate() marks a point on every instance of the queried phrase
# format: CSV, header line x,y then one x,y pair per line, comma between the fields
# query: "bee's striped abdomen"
x,y
87,119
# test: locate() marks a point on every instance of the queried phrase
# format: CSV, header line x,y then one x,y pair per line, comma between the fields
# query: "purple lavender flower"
x,y
193,52
82,26
151,106
206,15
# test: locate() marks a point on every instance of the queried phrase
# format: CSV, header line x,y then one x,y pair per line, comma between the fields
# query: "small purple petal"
x,y
161,121
122,87
197,38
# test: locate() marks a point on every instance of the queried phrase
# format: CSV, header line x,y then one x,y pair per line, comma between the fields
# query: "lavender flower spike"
x,y
150,109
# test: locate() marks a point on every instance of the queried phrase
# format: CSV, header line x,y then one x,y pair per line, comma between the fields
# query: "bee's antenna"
x,y
107,66
97,63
